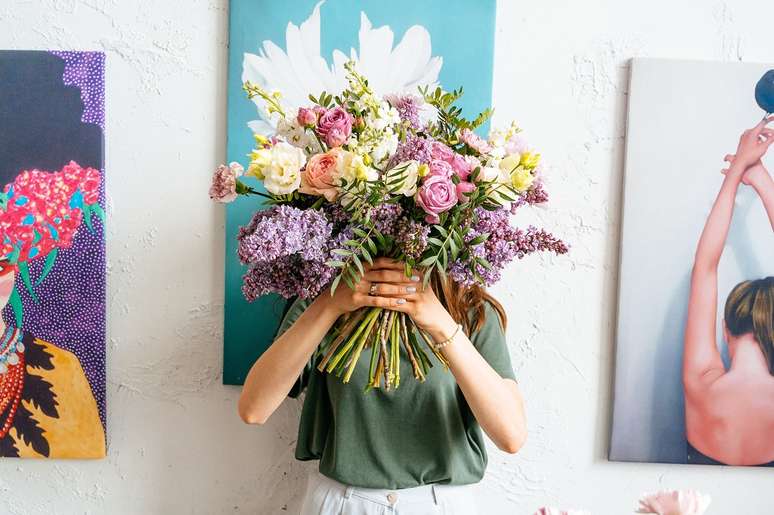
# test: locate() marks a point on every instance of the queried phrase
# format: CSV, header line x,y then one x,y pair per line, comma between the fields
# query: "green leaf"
x,y
16,305
335,264
358,264
367,256
427,261
342,252
50,259
335,284
24,271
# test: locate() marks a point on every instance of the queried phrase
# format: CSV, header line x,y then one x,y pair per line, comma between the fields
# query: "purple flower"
x,y
413,148
407,107
335,126
286,249
385,217
411,237
504,244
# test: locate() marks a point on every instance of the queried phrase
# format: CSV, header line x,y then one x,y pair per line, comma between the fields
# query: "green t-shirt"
x,y
417,434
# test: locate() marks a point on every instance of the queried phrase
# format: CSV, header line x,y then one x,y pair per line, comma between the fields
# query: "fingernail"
x,y
401,301
411,289
415,278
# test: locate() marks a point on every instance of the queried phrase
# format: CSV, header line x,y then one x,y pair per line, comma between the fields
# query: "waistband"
x,y
432,493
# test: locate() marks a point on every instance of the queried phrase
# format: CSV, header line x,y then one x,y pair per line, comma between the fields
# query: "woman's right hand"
x,y
753,144
392,289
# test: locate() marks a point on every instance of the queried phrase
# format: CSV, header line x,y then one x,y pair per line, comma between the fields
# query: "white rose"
x,y
282,175
407,173
352,168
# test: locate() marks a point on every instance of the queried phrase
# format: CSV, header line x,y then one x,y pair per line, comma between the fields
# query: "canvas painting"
x,y
52,254
302,46
694,367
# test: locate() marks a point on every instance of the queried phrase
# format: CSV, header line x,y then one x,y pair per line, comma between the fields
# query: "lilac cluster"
x,y
505,243
411,237
413,148
535,195
407,107
286,249
385,218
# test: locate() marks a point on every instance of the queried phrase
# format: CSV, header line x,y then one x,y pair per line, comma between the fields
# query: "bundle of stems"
x,y
382,331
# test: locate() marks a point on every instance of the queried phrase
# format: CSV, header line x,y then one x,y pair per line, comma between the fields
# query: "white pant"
x,y
326,496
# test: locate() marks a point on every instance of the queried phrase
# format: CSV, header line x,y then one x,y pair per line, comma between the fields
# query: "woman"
x,y
414,450
730,413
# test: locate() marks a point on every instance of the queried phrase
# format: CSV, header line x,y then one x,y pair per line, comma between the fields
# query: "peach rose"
x,y
320,175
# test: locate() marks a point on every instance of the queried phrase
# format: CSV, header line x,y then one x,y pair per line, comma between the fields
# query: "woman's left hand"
x,y
387,279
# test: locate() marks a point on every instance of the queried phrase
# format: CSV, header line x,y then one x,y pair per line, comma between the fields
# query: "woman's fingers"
x,y
386,263
379,302
392,289
389,276
729,157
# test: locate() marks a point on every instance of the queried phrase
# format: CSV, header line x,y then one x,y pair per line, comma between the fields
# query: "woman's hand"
x,y
753,144
384,285
421,304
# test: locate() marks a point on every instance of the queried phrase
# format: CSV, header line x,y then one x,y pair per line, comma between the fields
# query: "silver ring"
x,y
372,290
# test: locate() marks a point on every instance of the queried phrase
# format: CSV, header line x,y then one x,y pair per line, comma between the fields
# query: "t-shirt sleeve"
x,y
491,344
294,311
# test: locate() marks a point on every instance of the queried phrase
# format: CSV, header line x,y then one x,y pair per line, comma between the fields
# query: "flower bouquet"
x,y
355,176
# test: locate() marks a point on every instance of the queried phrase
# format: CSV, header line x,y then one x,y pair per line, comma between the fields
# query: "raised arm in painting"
x,y
702,363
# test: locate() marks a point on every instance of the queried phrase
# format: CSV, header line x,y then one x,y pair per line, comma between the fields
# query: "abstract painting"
x,y
300,47
52,254
696,291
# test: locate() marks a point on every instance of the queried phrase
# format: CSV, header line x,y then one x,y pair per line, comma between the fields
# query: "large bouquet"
x,y
355,176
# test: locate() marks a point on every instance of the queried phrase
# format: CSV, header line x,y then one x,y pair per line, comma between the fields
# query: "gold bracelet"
x,y
447,341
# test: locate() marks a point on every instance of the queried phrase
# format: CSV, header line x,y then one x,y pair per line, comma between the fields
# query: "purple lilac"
x,y
505,243
535,195
407,107
385,218
286,249
411,237
413,148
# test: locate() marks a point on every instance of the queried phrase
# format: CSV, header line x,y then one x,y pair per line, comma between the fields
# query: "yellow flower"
x,y
423,170
529,160
522,179
260,139
510,162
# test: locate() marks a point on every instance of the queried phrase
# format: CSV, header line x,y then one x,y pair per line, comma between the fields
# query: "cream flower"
x,y
521,179
408,174
279,167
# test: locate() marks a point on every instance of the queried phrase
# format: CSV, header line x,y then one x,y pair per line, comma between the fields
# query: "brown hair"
x,y
466,304
750,309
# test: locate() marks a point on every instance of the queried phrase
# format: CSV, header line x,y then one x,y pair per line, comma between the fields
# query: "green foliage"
x,y
450,120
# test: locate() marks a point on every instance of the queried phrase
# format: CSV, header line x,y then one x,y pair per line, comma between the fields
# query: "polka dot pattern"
x,y
86,71
71,308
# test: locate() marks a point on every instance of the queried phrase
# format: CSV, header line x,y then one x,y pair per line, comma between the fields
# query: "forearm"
x,y
273,375
496,402
713,237
765,189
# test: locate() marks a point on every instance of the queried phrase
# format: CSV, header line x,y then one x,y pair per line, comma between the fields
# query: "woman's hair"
x,y
750,309
466,304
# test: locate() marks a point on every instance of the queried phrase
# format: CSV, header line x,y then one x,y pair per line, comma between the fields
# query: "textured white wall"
x,y
176,444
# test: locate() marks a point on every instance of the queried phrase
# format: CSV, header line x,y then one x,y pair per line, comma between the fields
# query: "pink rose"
x,y
436,195
440,151
306,117
463,188
335,126
458,163
474,141
438,167
223,188
319,176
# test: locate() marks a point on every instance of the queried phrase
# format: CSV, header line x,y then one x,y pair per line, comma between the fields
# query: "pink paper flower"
x,y
675,502
223,188
436,195
319,177
335,126
474,141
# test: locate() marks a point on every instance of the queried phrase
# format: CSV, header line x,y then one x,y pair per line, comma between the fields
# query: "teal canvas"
x,y
299,48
